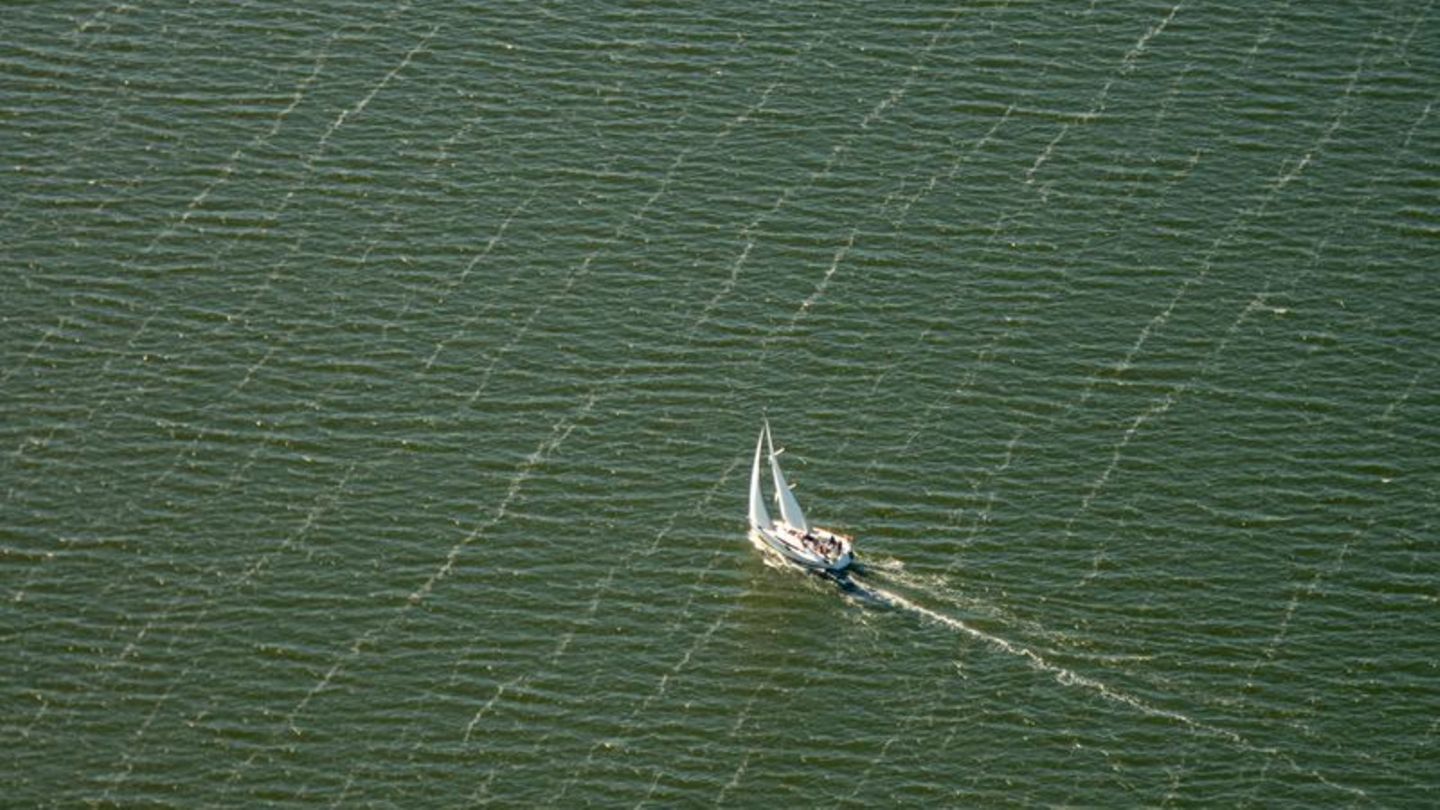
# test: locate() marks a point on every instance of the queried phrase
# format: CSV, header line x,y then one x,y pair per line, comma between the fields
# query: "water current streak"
x,y
225,172
1097,108
837,153
559,431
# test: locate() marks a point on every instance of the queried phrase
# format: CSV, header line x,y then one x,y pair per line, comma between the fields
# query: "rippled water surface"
x,y
378,383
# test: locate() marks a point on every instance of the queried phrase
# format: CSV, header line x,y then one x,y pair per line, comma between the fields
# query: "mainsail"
x,y
759,515
789,507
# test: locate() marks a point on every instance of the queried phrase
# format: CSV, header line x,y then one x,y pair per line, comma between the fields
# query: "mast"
x,y
789,507
759,515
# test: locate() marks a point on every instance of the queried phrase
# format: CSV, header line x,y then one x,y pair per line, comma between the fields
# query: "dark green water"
x,y
378,384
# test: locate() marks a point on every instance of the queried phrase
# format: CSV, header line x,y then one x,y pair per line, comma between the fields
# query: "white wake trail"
x,y
1063,675
1069,677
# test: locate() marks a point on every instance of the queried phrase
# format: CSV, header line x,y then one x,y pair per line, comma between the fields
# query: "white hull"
x,y
786,545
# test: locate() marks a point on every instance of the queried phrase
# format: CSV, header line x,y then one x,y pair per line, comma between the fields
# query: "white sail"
x,y
789,507
759,515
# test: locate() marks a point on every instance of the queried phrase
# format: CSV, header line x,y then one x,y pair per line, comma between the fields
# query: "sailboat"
x,y
791,536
